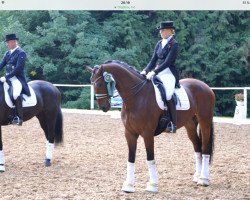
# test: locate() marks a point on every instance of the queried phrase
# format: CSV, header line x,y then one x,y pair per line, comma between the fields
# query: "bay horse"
x,y
48,112
140,115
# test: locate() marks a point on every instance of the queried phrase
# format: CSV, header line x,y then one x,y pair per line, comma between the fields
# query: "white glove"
x,y
150,75
143,72
2,79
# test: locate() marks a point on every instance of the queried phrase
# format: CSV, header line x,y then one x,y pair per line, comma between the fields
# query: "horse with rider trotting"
x,y
142,114
20,101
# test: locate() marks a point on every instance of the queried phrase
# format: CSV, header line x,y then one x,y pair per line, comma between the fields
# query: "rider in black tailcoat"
x,y
162,65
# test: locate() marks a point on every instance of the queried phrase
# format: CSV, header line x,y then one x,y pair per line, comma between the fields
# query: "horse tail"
x,y
59,127
211,142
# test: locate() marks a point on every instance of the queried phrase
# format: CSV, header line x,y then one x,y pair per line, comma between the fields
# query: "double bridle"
x,y
99,96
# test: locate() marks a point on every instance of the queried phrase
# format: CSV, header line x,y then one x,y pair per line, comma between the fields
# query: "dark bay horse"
x,y
140,115
48,112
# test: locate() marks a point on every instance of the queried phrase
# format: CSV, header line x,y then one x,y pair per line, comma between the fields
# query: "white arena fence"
x,y
244,89
81,86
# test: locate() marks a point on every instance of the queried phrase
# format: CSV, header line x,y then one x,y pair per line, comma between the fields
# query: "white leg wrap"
x,y
130,173
198,166
128,185
2,161
152,185
204,170
205,166
49,150
198,162
152,172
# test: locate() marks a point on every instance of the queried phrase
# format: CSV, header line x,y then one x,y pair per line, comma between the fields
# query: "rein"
x,y
141,84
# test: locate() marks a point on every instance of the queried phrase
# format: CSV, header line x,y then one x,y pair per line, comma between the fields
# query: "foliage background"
x,y
214,46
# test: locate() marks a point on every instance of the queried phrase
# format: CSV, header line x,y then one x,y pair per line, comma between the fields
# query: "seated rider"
x,y
162,64
14,60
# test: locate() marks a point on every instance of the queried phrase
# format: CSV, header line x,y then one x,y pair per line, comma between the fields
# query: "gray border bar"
x,y
125,5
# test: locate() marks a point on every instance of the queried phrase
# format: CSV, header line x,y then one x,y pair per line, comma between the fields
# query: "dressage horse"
x,y
48,112
140,115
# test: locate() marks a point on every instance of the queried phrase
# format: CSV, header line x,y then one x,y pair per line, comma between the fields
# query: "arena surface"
x,y
91,164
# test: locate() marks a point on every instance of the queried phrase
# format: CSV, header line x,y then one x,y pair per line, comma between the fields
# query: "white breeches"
x,y
168,81
17,87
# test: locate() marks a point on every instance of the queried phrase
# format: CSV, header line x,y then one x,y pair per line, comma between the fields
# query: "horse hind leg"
x,y
191,128
2,159
50,140
207,138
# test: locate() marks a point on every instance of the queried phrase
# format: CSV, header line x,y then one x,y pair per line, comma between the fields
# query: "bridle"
x,y
108,78
110,86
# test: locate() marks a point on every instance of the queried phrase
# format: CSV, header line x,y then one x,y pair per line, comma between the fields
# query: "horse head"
x,y
103,83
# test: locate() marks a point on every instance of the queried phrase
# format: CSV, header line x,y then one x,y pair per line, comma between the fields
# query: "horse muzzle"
x,y
105,108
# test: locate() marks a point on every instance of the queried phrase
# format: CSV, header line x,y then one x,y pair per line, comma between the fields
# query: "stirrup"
x,y
171,128
17,121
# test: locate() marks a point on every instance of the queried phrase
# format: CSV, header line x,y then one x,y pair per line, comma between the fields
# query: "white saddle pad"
x,y
28,101
182,99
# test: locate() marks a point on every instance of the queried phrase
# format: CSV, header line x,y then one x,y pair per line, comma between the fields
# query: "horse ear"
x,y
89,69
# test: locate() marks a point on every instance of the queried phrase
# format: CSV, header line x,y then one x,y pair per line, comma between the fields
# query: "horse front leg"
x,y
152,185
2,160
128,185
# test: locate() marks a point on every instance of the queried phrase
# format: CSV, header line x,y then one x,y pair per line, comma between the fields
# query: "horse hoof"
x,y
2,168
152,187
196,177
128,187
47,163
203,182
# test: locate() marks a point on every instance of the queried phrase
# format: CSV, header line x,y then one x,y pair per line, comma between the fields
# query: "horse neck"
x,y
125,80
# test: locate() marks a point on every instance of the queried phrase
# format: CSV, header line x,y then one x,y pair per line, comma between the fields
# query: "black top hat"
x,y
166,24
10,37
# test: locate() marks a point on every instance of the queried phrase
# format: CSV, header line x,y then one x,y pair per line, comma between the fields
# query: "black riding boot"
x,y
172,112
18,119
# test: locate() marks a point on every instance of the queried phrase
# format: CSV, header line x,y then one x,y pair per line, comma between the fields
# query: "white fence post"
x,y
245,101
92,101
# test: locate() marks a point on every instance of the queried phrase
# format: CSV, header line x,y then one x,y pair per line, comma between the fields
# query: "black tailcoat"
x,y
164,57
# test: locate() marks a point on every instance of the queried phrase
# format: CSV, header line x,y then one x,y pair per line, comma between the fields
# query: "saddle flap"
x,y
180,96
28,101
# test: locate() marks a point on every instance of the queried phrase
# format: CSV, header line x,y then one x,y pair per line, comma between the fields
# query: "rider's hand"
x,y
150,75
2,79
143,72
